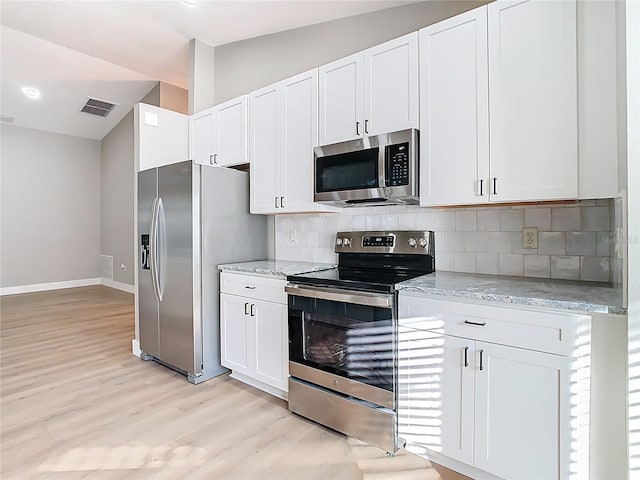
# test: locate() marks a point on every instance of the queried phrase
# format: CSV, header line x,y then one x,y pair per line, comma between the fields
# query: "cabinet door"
x,y
523,416
231,134
300,135
161,136
454,111
341,100
436,392
234,333
271,344
264,150
391,86
533,100
201,134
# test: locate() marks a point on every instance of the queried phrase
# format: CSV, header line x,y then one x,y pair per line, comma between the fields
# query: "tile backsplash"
x,y
576,241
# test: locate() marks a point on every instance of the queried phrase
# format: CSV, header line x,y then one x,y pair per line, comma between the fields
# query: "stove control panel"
x,y
374,241
399,241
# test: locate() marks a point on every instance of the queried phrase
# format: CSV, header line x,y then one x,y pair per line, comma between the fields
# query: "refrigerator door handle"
x,y
153,248
160,258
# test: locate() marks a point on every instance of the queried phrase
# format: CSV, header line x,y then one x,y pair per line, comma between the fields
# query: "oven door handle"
x,y
346,296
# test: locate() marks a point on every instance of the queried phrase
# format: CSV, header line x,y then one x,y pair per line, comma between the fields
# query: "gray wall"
x,y
50,207
116,202
247,65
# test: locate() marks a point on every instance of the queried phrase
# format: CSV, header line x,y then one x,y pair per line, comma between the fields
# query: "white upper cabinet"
x,y
341,99
598,101
230,136
498,95
370,92
161,136
391,86
533,100
454,114
264,125
218,135
201,127
300,135
283,132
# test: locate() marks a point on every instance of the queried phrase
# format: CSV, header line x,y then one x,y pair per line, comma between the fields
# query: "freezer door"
x,y
148,303
176,266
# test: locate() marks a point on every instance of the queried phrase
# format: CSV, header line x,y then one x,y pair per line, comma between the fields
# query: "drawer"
x,y
254,287
552,332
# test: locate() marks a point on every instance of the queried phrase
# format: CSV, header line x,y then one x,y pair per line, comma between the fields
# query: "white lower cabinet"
x,y
501,409
253,331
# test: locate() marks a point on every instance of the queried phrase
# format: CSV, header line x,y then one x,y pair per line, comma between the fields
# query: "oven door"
x,y
343,340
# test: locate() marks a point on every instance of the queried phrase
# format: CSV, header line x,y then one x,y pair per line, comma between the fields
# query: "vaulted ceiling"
x,y
117,50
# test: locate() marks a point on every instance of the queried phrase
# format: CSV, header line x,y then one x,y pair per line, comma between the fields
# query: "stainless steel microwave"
x,y
376,170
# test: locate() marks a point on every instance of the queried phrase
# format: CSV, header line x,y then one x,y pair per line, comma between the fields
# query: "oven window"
x,y
347,171
352,341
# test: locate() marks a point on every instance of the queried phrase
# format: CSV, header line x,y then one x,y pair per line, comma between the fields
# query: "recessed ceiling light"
x,y
191,3
31,92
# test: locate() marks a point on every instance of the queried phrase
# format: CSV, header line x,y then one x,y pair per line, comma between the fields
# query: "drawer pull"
x,y
466,357
481,355
477,324
250,287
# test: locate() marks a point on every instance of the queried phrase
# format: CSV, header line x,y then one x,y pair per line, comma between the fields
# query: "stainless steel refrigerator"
x,y
191,218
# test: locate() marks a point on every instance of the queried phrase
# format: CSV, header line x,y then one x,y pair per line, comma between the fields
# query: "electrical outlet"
x,y
123,266
292,236
530,237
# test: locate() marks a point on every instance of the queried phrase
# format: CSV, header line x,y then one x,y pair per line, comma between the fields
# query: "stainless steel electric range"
x,y
343,330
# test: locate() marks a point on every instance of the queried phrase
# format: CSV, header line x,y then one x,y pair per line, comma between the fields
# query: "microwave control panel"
x,y
397,164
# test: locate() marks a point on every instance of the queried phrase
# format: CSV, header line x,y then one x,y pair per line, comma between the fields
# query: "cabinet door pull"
x,y
477,324
481,182
211,159
366,126
276,200
481,355
253,313
281,202
357,128
466,357
495,180
246,308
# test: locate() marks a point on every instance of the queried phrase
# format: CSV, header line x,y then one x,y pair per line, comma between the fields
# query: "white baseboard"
x,y
125,287
135,347
41,287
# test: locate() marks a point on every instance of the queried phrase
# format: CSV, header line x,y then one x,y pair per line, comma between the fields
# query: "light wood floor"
x,y
76,404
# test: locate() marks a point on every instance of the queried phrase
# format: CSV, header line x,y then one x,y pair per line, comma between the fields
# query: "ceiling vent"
x,y
98,107
7,118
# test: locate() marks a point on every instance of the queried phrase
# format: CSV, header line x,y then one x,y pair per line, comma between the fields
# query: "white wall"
x,y
116,202
50,207
633,151
241,67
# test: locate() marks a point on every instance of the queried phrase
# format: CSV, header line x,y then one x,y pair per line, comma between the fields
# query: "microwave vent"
x,y
98,107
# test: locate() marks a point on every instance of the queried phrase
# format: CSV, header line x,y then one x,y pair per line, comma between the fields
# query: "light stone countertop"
x,y
587,297
276,268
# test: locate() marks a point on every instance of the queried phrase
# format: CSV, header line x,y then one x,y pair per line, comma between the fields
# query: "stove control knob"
x,y
422,242
412,242
338,241
346,242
